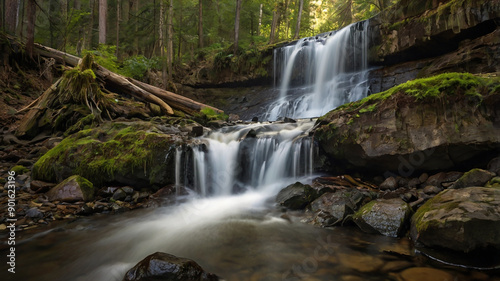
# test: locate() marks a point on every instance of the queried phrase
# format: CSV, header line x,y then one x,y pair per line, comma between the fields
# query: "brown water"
x,y
237,237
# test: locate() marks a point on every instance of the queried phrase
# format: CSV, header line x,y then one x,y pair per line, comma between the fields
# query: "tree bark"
x,y
170,43
260,20
11,9
118,19
161,31
237,26
87,42
274,25
103,15
299,17
200,24
165,99
30,34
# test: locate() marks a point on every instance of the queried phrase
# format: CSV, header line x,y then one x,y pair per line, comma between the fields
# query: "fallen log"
x,y
140,90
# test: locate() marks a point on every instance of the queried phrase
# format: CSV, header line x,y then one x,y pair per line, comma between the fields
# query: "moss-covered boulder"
x,y
126,153
474,177
296,196
388,217
72,189
425,124
464,220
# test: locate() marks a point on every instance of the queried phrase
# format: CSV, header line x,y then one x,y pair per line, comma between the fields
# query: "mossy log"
x,y
165,99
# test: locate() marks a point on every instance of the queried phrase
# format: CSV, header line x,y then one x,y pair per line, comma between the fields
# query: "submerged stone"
x,y
388,217
162,266
464,220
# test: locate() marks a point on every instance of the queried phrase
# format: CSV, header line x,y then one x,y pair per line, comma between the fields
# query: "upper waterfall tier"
x,y
317,74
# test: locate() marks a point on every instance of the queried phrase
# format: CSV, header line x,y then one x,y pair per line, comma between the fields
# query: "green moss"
x,y
102,154
87,188
19,169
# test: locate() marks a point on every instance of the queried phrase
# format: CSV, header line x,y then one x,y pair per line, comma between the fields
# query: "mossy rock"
x,y
128,153
474,177
19,169
389,217
464,220
72,189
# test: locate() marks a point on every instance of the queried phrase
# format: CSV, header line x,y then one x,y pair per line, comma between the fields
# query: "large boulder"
x,y
162,266
333,207
423,125
388,217
127,153
72,189
474,177
296,196
463,220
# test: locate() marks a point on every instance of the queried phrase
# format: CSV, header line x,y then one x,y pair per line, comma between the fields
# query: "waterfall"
x,y
318,74
255,156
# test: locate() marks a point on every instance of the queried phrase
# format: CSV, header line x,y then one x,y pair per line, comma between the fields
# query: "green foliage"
x,y
211,114
137,66
105,56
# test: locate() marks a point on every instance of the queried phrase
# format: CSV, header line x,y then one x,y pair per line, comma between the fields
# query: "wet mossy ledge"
x,y
428,124
126,153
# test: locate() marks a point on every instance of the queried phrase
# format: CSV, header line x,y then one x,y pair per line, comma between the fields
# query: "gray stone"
x,y
474,177
129,190
119,195
34,213
332,208
463,220
388,217
74,188
389,184
296,196
162,266
431,189
494,166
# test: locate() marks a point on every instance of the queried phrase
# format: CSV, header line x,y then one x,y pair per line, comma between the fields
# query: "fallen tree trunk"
x,y
143,91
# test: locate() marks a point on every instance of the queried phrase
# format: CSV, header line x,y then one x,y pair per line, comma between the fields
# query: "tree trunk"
x,y
299,17
260,20
237,26
161,31
78,6
180,30
170,43
103,15
274,25
30,40
87,42
118,19
200,24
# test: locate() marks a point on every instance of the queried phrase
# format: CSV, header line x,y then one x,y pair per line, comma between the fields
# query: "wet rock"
x,y
119,194
388,217
197,131
494,166
255,119
85,210
74,188
463,220
34,213
332,208
360,262
289,120
389,184
425,273
41,186
423,177
415,182
128,190
162,266
233,117
431,189
296,196
107,191
474,177
494,183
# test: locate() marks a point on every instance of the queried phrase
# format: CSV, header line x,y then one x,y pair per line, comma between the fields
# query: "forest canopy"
x,y
136,35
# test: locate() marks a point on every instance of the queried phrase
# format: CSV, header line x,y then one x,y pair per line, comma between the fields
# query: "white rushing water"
x,y
246,157
318,74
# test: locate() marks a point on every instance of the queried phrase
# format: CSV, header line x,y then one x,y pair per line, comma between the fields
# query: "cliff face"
x,y
428,124
416,39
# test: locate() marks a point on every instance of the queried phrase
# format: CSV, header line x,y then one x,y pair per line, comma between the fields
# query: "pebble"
x,y
425,274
